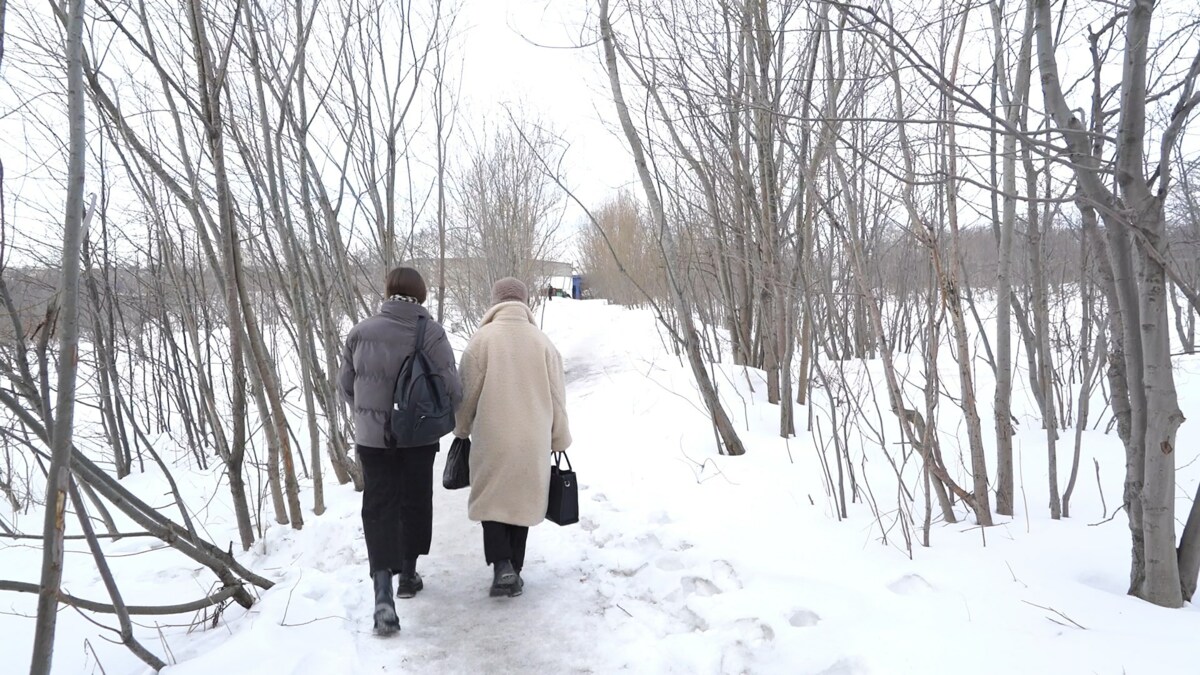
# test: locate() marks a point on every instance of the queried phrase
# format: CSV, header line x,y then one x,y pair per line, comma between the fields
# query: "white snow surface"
x,y
684,561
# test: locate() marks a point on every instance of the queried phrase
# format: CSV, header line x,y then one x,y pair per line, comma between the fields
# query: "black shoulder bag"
x,y
563,507
458,465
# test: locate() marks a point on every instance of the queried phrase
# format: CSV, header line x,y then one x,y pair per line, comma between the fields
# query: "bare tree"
x,y
1015,101
509,212
58,475
1134,219
619,258
444,117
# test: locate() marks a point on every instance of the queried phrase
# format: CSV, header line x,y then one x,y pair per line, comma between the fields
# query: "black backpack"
x,y
421,409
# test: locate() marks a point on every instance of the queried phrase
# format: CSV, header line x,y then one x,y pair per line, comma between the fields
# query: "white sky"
x,y
505,64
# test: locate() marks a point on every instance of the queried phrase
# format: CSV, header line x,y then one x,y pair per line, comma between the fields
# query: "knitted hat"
x,y
509,289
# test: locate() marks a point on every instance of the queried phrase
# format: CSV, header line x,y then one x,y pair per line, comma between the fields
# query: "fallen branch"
x,y
222,563
217,598
70,537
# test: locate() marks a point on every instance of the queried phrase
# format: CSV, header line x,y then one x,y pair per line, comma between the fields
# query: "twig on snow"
x,y
305,623
1051,609
162,638
1014,575
283,619
699,467
1108,519
87,647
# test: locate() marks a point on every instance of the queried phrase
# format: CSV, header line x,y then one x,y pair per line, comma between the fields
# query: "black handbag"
x,y
563,507
458,465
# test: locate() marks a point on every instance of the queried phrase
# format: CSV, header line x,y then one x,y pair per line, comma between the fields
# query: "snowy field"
x,y
684,562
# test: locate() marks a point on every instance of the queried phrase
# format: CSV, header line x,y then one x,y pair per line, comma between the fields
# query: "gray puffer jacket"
x,y
371,359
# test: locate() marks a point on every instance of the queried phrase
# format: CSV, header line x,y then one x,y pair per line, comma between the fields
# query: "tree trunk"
x,y
1163,584
1013,101
1081,417
953,300
1041,322
59,473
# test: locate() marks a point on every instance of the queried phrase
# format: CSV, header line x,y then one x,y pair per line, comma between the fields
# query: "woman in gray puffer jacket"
x,y
397,509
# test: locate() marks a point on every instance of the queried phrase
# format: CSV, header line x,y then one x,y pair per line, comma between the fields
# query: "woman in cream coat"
x,y
514,411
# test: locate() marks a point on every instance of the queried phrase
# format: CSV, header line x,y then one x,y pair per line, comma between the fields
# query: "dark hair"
x,y
406,281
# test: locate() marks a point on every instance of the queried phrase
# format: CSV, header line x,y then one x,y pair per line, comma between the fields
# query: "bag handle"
x,y
558,457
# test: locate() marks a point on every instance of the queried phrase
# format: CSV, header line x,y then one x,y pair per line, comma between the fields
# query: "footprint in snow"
x,y
337,561
689,586
804,618
317,590
699,586
754,632
692,620
726,575
588,525
650,541
627,571
910,584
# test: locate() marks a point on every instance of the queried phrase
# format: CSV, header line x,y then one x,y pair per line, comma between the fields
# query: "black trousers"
x,y
502,541
397,510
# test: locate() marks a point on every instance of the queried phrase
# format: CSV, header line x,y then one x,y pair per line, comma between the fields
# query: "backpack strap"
x,y
419,348
420,343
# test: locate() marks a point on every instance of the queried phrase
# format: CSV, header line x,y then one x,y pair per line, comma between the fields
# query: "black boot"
x,y
408,582
386,621
505,581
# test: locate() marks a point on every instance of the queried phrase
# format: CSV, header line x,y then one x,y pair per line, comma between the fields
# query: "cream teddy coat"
x,y
514,411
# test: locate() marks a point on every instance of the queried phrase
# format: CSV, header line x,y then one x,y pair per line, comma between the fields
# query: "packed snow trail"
x,y
318,619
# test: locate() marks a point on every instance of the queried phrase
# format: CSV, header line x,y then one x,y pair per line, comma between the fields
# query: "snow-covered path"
x,y
569,619
450,627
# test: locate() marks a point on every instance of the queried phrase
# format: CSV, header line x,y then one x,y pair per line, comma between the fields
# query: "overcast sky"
x,y
505,63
